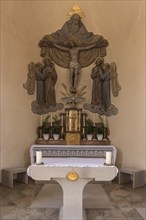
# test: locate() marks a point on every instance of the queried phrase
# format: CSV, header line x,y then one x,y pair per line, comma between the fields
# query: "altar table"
x,y
81,151
86,170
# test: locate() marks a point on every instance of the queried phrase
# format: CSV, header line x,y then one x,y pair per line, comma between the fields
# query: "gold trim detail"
x,y
76,10
72,176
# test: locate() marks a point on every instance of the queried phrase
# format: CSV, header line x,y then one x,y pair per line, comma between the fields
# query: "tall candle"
x,y
41,120
104,120
38,157
94,120
83,120
61,120
109,157
51,120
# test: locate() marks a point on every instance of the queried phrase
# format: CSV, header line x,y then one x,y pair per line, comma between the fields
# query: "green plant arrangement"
x,y
89,127
100,128
56,125
46,125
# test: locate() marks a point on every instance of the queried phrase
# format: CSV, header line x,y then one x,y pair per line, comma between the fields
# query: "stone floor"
x,y
15,203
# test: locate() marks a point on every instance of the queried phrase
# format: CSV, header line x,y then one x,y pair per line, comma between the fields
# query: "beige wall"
x,y
24,23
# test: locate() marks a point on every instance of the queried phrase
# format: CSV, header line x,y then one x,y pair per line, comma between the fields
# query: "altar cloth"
x,y
73,162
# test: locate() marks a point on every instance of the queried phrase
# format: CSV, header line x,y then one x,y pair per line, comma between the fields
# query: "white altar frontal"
x,y
77,166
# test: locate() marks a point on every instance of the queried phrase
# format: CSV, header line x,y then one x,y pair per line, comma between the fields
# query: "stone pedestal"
x,y
72,199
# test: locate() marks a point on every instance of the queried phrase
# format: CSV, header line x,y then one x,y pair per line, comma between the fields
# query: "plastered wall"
x,y
24,23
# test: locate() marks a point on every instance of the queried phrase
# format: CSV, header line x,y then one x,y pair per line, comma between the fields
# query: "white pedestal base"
x,y
72,199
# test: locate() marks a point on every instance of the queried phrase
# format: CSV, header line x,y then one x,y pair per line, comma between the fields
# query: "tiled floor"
x,y
15,203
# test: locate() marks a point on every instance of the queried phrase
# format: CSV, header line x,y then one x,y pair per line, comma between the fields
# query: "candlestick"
x,y
108,157
38,157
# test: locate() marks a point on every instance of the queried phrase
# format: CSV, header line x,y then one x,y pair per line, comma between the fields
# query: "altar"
x,y
80,151
72,167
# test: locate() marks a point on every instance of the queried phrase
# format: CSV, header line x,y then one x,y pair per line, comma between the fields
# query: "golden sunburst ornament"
x,y
72,176
75,10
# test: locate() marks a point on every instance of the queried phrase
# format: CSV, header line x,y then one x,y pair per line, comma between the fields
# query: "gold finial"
x,y
76,10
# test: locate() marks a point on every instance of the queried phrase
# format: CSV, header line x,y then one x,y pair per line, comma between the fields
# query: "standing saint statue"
x,y
105,86
96,87
105,83
46,77
40,77
50,81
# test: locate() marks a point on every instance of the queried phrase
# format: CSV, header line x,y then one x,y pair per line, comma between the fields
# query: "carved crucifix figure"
x,y
74,66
